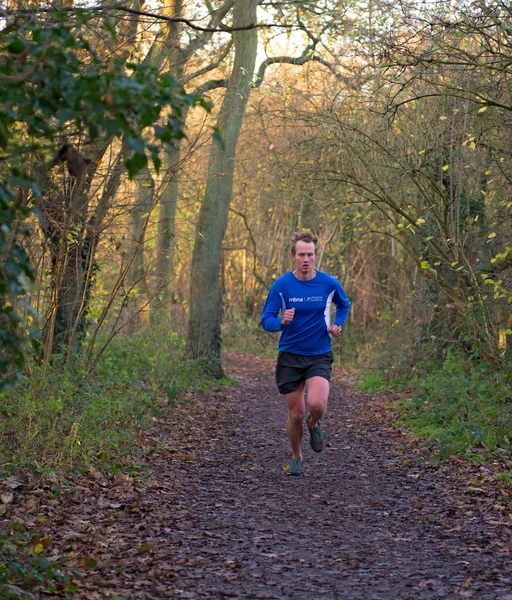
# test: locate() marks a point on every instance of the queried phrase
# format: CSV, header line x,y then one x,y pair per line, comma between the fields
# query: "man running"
x,y
303,298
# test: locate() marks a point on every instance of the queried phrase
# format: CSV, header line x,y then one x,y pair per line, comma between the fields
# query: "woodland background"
x,y
155,159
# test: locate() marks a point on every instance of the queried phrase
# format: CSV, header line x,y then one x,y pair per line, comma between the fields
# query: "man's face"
x,y
304,257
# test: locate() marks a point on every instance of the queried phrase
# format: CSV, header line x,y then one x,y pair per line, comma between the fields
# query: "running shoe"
x,y
295,468
316,436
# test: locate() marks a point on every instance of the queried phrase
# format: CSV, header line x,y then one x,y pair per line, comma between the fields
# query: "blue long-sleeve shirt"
x,y
307,332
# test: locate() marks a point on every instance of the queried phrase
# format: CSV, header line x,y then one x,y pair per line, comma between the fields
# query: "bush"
x,y
25,570
247,335
463,408
59,417
156,359
375,381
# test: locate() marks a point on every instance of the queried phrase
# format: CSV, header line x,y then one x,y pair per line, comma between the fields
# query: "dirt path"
x,y
219,517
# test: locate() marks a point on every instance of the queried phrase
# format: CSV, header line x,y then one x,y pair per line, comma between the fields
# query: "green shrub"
x,y
59,417
463,408
159,360
247,335
375,381
24,568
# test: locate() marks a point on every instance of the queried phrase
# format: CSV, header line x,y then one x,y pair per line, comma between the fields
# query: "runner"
x,y
303,298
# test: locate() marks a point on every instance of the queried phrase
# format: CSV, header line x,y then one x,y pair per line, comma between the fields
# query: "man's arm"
x,y
342,304
270,320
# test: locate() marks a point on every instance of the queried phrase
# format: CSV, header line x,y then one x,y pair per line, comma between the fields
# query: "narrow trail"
x,y
219,518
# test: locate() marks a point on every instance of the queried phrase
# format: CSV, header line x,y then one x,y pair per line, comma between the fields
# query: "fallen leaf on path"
x,y
147,547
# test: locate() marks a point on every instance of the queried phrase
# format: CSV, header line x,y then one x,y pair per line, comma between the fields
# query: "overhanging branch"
x,y
291,60
142,13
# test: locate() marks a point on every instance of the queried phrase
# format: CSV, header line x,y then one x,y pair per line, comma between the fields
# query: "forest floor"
x,y
216,516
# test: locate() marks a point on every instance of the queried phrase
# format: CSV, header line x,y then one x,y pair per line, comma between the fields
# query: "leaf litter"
x,y
213,514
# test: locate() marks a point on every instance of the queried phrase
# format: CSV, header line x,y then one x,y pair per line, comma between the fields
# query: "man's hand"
x,y
334,330
288,316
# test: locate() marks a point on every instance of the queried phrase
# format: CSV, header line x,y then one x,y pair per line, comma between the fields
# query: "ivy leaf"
x,y
136,144
217,138
135,164
110,28
17,46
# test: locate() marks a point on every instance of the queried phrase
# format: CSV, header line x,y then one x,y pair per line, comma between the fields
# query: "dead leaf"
x,y
7,497
12,483
147,547
38,548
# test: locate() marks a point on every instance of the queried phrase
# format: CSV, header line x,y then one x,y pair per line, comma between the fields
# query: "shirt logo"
x,y
295,299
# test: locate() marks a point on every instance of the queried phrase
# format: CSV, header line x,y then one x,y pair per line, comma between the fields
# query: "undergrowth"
x,y
62,418
246,335
462,408
376,381
26,571
58,422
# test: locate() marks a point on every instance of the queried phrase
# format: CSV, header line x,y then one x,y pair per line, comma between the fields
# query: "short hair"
x,y
303,236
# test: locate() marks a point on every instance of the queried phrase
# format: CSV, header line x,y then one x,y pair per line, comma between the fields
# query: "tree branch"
x,y
143,13
210,85
211,66
291,60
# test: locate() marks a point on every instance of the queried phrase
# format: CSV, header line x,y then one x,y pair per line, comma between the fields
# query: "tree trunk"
x,y
205,291
169,51
166,227
72,270
138,303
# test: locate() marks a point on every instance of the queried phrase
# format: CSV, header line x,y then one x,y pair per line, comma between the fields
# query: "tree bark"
x,y
166,227
138,303
171,52
205,290
71,274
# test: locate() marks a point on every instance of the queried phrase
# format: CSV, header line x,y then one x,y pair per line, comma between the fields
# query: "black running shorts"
x,y
292,369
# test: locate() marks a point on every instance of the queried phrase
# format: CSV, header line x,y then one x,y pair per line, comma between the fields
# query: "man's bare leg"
x,y
318,393
296,411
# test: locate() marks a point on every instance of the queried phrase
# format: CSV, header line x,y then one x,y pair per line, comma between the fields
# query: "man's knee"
x,y
317,409
296,416
318,393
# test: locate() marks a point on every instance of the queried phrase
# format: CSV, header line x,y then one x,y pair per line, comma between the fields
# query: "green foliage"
x,y
55,86
160,360
375,381
463,408
15,272
62,418
243,334
25,569
60,84
506,477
